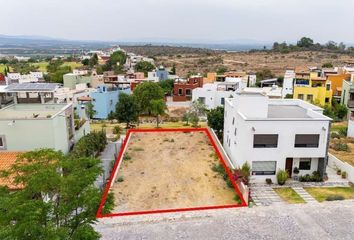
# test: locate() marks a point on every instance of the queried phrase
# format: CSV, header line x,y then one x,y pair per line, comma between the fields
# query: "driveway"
x,y
329,220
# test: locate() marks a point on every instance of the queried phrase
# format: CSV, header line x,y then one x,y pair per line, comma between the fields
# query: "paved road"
x,y
330,220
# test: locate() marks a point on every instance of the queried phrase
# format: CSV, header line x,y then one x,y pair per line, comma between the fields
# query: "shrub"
x,y
335,135
315,177
339,172
343,131
344,174
237,199
117,130
120,179
282,176
90,145
334,198
138,149
127,157
341,146
296,170
269,181
229,183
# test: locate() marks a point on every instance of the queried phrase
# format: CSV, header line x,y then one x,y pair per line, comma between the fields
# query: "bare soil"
x,y
250,61
167,170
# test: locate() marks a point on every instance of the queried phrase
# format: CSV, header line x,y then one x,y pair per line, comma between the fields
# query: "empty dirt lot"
x,y
167,170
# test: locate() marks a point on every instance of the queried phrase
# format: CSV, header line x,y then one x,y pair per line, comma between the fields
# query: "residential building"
x,y
311,86
32,92
71,80
162,73
210,78
273,92
104,99
348,100
273,135
5,97
249,79
182,89
25,127
213,95
336,78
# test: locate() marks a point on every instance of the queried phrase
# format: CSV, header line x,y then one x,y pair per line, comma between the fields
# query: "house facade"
x,y
25,127
105,98
348,100
273,135
182,89
70,80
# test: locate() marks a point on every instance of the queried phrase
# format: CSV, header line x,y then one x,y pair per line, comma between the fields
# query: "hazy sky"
x,y
192,20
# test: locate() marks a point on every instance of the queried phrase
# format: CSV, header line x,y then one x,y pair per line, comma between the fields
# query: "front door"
x,y
289,166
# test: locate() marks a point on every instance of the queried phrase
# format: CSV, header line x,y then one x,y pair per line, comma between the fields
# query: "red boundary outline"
x,y
119,158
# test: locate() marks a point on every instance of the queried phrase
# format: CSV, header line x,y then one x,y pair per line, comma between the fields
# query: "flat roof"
x,y
32,87
287,111
31,111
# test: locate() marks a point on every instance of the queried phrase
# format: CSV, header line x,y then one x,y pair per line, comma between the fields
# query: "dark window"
x,y
328,87
188,92
307,140
2,142
264,167
305,164
310,98
222,101
326,100
180,91
202,100
300,96
235,131
265,140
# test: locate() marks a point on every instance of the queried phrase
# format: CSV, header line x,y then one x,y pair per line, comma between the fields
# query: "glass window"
x,y
264,167
2,142
310,98
180,91
300,96
188,92
222,101
307,140
265,140
305,164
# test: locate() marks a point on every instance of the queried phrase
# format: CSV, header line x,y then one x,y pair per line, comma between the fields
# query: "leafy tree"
x,y
144,66
58,199
173,69
85,62
90,111
221,70
341,111
93,60
90,145
127,109
327,65
158,108
118,57
216,120
194,119
264,74
146,92
305,42
167,86
185,118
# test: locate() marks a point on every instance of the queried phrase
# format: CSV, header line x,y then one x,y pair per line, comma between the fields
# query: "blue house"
x,y
162,73
105,98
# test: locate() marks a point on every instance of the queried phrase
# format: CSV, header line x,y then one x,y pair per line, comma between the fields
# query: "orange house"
x,y
337,81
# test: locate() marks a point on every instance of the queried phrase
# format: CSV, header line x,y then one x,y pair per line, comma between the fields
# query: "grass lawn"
x,y
321,193
289,195
73,65
2,68
42,66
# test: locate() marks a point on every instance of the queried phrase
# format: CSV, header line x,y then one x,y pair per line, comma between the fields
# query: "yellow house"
x,y
311,87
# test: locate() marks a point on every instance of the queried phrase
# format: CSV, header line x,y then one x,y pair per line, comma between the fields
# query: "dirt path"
x,y
169,170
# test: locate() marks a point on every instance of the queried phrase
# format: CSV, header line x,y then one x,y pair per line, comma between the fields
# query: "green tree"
x,y
90,111
167,86
305,42
173,69
327,65
341,111
264,74
118,57
93,60
146,92
127,109
85,62
158,108
221,70
58,199
144,66
216,120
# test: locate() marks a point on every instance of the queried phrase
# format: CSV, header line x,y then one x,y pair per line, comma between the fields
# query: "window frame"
x,y
307,160
264,173
301,145
3,141
265,145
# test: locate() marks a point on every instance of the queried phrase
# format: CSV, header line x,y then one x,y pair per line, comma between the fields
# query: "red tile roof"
x,y
7,159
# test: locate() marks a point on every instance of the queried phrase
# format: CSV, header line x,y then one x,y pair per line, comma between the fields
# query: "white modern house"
x,y
213,95
273,134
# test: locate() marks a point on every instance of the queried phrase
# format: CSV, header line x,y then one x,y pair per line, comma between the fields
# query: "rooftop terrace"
x,y
31,111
